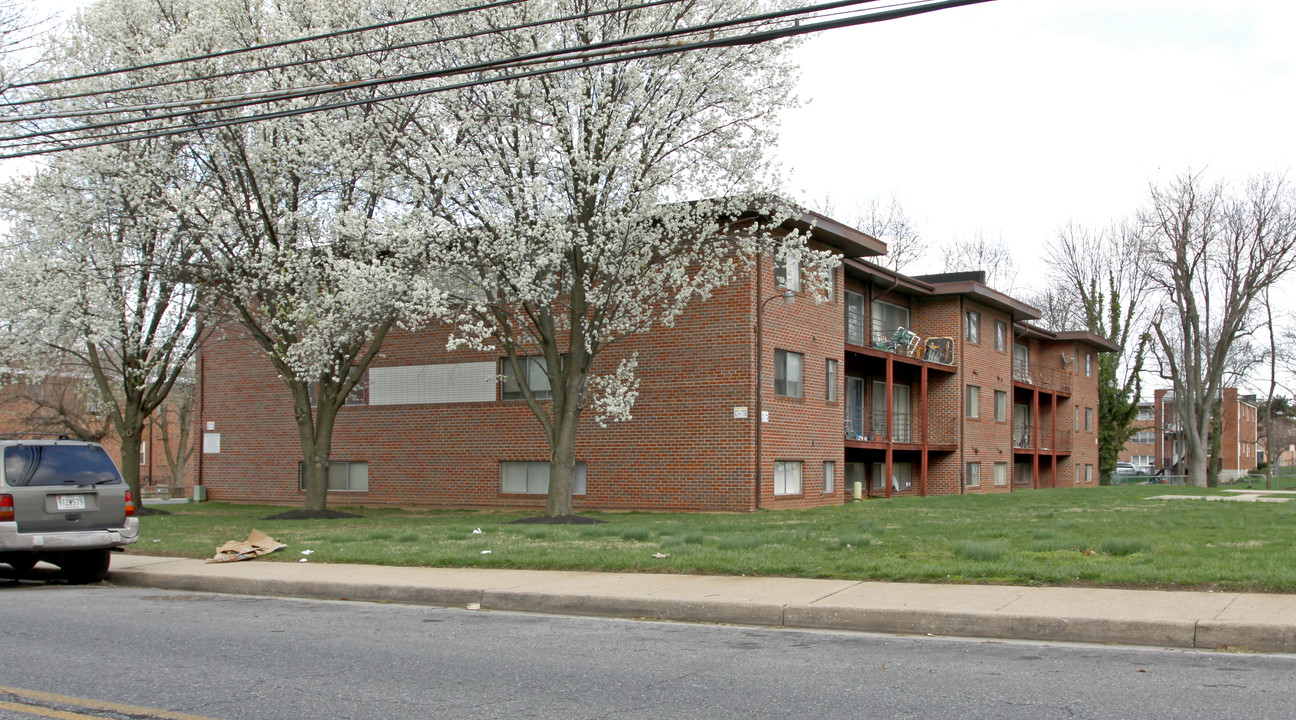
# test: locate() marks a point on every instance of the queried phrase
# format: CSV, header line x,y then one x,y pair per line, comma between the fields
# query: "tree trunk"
x,y
316,433
130,459
562,470
1197,465
1214,452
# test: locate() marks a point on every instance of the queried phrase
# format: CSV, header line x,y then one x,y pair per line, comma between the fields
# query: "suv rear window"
x,y
58,465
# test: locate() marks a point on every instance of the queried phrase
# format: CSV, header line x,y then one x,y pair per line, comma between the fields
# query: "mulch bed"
x,y
558,520
313,515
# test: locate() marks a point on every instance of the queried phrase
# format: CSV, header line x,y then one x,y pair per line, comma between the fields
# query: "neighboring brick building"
x,y
1159,435
435,428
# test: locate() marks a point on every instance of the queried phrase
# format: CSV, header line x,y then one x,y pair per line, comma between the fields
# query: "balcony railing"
x,y
1024,437
871,426
1048,378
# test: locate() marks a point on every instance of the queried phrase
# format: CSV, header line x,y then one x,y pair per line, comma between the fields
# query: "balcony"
x,y
906,428
1041,377
1024,437
899,340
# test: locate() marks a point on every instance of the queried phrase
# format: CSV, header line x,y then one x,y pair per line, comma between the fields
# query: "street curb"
x,y
1176,633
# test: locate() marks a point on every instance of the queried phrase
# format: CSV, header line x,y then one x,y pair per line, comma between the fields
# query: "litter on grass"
x,y
661,555
477,531
256,545
308,552
486,552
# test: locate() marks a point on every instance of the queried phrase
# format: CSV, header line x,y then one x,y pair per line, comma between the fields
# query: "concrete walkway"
x,y
1134,617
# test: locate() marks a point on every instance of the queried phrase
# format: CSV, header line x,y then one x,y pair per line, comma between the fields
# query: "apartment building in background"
x,y
1158,444
892,385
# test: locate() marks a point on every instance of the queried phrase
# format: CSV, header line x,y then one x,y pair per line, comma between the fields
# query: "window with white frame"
x,y
787,274
787,373
1001,406
1088,473
830,380
532,478
1145,412
886,318
1144,462
1001,336
1088,365
787,477
1088,419
343,476
359,394
1001,474
829,476
533,375
974,474
1079,475
854,318
972,321
830,291
973,409
144,458
1144,437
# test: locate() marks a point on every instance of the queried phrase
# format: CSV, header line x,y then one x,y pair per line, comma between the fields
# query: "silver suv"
x,y
64,502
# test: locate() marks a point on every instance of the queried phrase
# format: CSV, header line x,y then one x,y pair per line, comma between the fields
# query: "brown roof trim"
x,y
839,236
1088,338
857,267
988,296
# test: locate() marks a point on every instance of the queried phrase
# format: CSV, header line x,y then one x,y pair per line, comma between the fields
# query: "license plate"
x,y
69,502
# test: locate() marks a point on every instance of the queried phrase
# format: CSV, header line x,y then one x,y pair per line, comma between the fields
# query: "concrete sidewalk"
x,y
1133,617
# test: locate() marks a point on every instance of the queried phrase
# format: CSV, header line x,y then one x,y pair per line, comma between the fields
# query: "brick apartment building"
x,y
938,383
1157,444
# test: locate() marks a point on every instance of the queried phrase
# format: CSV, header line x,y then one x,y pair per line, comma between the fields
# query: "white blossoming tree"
x,y
90,288
576,198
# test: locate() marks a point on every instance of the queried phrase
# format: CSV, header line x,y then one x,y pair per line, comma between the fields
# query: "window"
x,y
787,477
534,375
1001,474
1088,419
830,292
973,322
973,401
1145,413
1001,335
1079,475
1144,437
441,383
829,475
787,373
1088,473
901,475
359,394
1144,462
342,476
1075,420
974,474
144,453
854,318
1088,365
830,380
787,274
1001,406
532,478
886,318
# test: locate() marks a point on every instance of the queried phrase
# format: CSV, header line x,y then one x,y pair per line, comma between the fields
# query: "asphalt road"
x,y
100,649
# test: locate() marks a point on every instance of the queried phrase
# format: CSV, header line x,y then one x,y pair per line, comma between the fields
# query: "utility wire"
x,y
237,101
267,46
311,61
747,39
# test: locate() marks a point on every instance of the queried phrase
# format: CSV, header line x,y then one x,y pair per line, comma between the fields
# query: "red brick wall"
x,y
683,449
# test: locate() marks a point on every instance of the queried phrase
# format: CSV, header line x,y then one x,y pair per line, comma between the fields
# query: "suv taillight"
x,y
6,508
130,504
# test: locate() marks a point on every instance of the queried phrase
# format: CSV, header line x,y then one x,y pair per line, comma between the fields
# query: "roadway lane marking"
x,y
141,712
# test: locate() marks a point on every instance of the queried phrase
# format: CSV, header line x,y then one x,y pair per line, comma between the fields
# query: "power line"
x,y
243,100
670,49
298,63
267,46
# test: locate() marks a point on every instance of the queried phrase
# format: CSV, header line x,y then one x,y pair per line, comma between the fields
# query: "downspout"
x,y
962,395
756,504
199,438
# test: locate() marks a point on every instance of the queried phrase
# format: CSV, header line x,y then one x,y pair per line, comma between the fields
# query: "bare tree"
x,y
890,223
64,402
174,423
981,252
1215,251
1100,283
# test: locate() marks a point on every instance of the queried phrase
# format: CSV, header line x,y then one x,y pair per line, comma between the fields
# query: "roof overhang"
x,y
851,243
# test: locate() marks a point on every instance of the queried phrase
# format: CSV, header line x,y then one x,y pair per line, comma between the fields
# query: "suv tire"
x,y
85,567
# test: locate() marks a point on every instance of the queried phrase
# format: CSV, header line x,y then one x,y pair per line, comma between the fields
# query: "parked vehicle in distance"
x,y
1128,468
62,502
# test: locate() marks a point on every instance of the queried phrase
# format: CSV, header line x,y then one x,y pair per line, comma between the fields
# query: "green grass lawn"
x,y
1109,536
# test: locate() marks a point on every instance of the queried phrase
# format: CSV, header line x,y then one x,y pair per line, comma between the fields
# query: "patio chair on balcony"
x,y
903,342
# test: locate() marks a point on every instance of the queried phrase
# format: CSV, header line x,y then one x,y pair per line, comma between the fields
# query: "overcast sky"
x,y
1011,117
